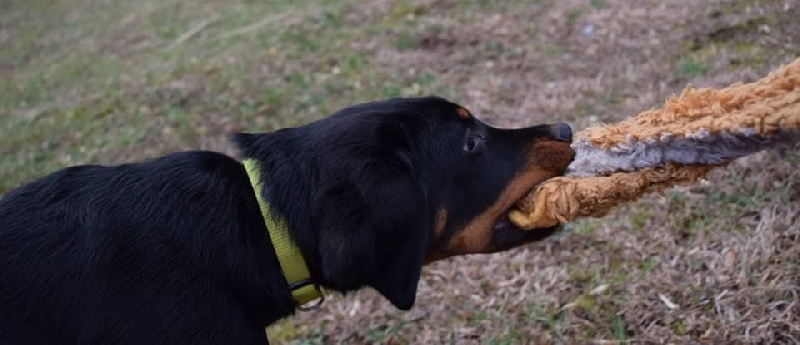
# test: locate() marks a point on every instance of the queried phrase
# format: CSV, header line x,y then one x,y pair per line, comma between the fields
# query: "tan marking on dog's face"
x,y
546,159
464,113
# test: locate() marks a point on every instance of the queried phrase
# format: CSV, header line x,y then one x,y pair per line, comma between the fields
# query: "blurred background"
x,y
108,81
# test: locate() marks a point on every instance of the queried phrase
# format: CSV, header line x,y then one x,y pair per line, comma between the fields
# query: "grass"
x,y
96,86
107,81
690,68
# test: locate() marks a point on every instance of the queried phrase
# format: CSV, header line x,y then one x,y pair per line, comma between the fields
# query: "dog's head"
x,y
377,190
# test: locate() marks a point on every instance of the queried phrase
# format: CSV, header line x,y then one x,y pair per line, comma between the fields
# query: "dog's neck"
x,y
305,292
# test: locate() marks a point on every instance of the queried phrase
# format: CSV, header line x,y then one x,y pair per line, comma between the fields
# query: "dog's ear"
x,y
372,216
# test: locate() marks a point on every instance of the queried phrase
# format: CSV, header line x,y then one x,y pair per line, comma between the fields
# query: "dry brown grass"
x,y
716,263
106,81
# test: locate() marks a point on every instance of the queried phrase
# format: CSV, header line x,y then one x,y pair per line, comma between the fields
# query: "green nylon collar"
x,y
291,260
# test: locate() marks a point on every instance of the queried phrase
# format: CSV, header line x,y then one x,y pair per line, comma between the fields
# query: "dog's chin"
x,y
506,235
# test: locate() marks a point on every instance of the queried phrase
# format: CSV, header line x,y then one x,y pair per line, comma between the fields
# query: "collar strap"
x,y
293,266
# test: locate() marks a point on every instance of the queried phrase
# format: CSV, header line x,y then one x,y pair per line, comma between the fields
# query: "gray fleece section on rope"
x,y
695,148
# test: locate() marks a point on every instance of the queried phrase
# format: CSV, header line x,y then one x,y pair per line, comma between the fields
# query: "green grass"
x,y
134,79
598,4
690,68
619,329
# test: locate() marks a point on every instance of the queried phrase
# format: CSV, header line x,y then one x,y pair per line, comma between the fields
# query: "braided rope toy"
x,y
694,133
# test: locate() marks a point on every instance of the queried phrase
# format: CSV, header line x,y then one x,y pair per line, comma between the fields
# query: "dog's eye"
x,y
474,144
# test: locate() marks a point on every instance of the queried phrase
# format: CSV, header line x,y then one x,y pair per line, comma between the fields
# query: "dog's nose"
x,y
561,132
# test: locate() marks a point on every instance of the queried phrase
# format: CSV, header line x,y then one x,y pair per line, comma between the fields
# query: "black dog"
x,y
175,250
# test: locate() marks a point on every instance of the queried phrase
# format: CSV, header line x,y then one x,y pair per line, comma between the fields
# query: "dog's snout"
x,y
561,132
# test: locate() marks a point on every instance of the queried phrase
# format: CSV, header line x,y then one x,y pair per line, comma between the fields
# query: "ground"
x,y
108,81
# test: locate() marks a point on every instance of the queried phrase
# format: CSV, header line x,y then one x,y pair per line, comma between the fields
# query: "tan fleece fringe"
x,y
765,108
763,105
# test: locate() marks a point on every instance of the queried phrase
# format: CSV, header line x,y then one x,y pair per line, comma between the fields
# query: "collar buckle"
x,y
310,305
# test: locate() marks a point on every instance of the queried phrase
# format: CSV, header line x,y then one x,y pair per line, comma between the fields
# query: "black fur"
x,y
175,251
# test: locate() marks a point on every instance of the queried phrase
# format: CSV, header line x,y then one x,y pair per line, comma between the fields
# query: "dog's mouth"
x,y
553,159
506,235
503,224
505,232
